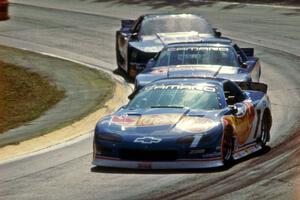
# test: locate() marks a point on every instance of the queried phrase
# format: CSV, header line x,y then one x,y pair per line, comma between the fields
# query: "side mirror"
x,y
234,110
239,109
124,34
244,65
217,32
134,35
151,63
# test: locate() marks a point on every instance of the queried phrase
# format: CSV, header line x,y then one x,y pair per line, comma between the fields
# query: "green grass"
x,y
24,96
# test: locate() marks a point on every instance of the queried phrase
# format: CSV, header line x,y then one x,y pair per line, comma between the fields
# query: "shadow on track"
x,y
97,169
155,4
183,4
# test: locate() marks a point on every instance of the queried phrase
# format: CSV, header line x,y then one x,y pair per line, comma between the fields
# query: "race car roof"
x,y
190,80
205,41
161,15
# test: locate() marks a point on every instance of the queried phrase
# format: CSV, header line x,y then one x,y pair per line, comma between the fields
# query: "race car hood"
x,y
155,43
159,121
217,71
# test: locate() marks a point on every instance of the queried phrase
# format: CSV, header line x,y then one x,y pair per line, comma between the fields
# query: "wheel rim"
x,y
264,134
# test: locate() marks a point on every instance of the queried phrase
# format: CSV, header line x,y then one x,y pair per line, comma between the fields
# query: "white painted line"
x,y
51,148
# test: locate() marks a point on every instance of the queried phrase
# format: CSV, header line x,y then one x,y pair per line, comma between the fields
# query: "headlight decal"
x,y
195,124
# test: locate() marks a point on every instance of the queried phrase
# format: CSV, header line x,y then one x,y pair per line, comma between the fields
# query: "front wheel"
x,y
265,132
120,60
227,149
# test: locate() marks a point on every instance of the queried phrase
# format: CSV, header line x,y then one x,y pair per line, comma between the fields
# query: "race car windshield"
x,y
173,56
171,24
176,96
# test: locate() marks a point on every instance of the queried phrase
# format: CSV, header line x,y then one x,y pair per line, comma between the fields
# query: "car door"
x,y
243,116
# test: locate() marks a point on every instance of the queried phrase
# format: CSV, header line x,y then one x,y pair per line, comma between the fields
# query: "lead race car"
x,y
185,123
214,57
139,40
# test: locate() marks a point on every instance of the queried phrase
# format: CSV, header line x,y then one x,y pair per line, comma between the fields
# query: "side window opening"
x,y
233,94
137,26
240,53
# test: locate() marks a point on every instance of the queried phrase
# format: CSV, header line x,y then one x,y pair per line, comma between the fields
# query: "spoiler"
x,y
262,87
127,23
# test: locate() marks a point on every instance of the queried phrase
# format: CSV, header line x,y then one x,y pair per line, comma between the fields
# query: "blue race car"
x,y
185,123
139,40
217,57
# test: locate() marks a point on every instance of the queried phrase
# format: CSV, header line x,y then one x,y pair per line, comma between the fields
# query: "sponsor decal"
x,y
199,87
147,140
224,49
196,125
187,123
125,120
242,125
159,71
146,120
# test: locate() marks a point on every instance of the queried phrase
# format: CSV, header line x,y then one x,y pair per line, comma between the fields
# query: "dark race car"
x,y
139,40
185,123
208,58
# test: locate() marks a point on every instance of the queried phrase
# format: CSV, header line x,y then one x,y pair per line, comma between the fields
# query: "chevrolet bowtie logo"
x,y
147,140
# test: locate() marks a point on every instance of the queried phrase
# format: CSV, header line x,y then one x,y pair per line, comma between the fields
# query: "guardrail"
x,y
4,10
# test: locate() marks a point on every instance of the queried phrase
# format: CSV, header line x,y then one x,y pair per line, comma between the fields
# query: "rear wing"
x,y
262,87
127,24
248,51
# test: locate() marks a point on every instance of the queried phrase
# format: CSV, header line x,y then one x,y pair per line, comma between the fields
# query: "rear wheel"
x,y
227,149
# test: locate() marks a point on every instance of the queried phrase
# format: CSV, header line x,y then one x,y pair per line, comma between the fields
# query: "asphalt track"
x,y
84,31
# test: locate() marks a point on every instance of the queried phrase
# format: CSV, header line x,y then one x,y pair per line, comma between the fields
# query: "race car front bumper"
x,y
178,164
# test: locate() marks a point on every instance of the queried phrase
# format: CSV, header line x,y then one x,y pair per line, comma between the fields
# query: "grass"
x,y
24,96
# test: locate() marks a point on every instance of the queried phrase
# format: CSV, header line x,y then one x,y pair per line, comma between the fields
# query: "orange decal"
x,y
242,125
159,71
146,120
125,120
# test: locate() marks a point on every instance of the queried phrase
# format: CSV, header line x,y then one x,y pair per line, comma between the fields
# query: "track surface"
x,y
66,173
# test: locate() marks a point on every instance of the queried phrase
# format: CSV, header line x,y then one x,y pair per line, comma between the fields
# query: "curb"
x,y
76,131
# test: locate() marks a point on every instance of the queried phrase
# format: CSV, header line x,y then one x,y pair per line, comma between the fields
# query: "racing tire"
x,y
119,58
227,149
265,131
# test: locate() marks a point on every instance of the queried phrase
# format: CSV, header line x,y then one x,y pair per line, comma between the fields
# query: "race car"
x,y
139,40
217,57
185,123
